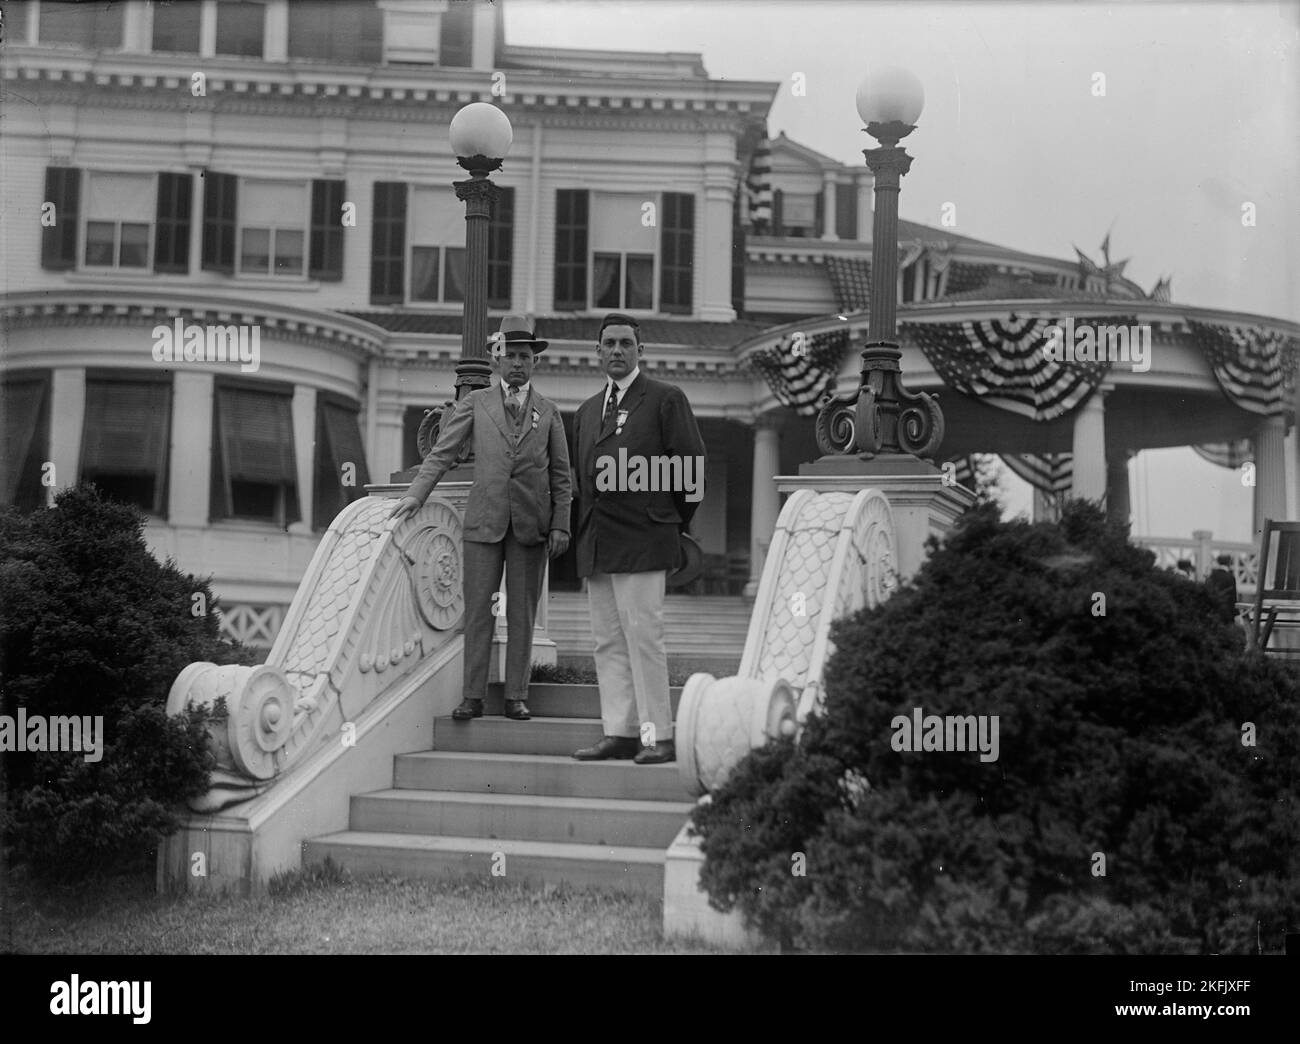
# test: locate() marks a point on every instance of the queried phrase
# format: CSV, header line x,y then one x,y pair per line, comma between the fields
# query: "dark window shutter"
x,y
819,213
338,442
326,252
778,200
388,243
59,241
501,245
846,211
370,35
172,223
219,201
571,249
677,253
456,29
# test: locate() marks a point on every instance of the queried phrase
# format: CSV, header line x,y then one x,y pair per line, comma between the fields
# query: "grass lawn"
x,y
331,912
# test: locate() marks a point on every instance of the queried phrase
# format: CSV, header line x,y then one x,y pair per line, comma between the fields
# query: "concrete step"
x,y
520,817
558,736
536,774
629,868
547,700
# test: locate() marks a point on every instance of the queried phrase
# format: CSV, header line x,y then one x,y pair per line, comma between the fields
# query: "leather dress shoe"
x,y
657,754
618,747
468,709
517,709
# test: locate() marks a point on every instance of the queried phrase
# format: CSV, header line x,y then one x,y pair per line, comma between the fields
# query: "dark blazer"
x,y
620,531
526,488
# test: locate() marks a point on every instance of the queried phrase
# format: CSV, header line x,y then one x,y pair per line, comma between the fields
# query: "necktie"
x,y
611,406
512,403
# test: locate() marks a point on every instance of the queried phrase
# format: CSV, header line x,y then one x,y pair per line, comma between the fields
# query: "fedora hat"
x,y
690,561
516,329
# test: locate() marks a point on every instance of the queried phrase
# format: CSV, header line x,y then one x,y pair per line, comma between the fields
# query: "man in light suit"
x,y
628,534
518,509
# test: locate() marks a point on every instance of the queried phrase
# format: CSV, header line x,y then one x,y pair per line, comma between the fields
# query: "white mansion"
x,y
280,172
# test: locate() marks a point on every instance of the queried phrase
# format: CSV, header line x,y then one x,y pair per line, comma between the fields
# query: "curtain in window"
x,y
121,197
455,288
604,281
640,282
424,273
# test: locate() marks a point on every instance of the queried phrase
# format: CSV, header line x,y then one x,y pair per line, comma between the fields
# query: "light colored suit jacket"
x,y
525,488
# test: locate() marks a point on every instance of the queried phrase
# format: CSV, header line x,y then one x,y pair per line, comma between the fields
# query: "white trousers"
x,y
627,621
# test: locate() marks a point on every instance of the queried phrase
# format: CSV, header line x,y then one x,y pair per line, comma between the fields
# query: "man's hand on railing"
x,y
406,507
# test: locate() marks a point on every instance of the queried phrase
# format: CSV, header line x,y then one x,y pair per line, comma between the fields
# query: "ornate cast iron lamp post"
x,y
881,417
480,136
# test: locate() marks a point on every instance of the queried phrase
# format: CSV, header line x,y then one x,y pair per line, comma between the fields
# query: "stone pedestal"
x,y
687,913
922,504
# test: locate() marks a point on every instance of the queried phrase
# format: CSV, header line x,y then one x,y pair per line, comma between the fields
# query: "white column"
x,y
866,185
828,205
713,230
1293,487
208,29
189,474
532,257
137,27
304,444
1270,470
765,500
275,40
67,416
388,443
1090,448
482,41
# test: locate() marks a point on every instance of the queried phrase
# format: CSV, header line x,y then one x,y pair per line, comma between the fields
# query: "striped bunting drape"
x,y
1252,365
1048,472
1227,454
965,473
758,185
800,379
1001,362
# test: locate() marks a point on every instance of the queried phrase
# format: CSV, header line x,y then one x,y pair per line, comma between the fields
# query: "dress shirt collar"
x,y
623,383
523,391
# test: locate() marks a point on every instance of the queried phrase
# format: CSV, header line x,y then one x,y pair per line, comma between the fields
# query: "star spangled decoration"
x,y
1255,367
1002,362
802,379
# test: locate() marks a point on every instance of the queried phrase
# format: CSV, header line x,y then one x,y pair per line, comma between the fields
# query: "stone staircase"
x,y
498,795
705,632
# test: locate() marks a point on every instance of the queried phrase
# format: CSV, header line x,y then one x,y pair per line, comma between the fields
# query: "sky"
x,y
1047,124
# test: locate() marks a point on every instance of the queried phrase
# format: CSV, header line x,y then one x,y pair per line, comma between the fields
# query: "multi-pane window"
x,y
341,473
272,227
120,210
125,438
172,223
176,26
254,474
240,28
624,251
94,26
25,409
417,246
437,237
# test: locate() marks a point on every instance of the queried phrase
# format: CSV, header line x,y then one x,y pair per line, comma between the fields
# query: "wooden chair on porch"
x,y
1276,611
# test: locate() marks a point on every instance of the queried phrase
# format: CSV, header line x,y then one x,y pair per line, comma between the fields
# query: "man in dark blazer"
x,y
639,465
518,509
